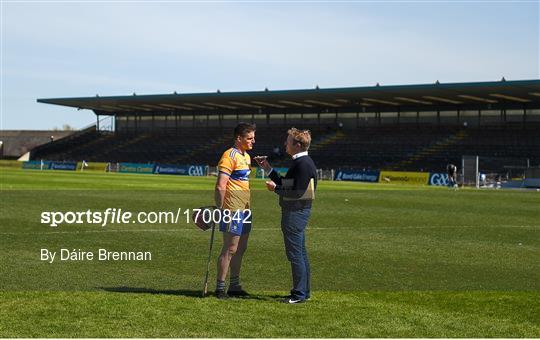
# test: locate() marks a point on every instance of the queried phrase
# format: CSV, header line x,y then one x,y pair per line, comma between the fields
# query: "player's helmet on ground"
x,y
198,217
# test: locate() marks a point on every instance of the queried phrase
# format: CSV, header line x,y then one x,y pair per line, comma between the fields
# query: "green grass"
x,y
387,261
330,314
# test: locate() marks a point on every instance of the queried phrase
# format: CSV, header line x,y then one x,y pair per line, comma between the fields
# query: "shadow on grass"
x,y
177,292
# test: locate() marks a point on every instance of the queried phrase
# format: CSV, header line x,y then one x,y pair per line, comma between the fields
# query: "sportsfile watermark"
x,y
118,216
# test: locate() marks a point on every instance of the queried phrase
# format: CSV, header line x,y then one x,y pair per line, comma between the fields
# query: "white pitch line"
x,y
120,231
255,229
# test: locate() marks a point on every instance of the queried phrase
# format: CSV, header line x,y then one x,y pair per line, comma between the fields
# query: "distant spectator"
x,y
52,139
276,153
482,179
451,169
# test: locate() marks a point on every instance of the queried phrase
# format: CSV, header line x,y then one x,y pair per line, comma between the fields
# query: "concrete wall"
x,y
18,142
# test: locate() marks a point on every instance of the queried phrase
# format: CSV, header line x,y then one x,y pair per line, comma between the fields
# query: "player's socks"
x,y
220,285
235,283
235,288
220,290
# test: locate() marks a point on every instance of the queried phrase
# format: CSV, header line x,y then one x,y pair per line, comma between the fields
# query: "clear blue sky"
x,y
73,49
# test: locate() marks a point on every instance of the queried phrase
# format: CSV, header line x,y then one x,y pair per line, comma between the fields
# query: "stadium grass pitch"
x,y
387,261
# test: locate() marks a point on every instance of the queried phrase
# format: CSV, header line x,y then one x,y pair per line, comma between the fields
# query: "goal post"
x,y
469,171
482,171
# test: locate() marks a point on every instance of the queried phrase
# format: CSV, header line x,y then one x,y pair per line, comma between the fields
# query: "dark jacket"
x,y
300,174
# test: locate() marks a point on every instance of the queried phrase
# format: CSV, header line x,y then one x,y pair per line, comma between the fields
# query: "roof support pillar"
x,y
97,122
479,116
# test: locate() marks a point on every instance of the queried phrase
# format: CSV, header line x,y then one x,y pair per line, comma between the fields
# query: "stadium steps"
x,y
327,140
119,145
131,142
202,149
88,146
437,148
56,150
412,148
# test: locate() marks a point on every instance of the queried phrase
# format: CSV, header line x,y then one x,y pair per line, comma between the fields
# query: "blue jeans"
x,y
293,226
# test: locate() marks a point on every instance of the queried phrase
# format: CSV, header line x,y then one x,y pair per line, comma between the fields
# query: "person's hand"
x,y
263,163
271,186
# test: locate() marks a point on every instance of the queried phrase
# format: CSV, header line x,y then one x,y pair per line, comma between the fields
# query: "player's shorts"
x,y
240,224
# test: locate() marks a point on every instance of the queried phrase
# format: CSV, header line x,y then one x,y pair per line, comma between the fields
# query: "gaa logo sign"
x,y
439,179
196,170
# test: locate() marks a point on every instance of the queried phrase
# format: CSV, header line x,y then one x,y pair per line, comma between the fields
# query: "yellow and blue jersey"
x,y
237,166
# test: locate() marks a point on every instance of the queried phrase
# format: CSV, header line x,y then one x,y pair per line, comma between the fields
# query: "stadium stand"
x,y
393,147
404,127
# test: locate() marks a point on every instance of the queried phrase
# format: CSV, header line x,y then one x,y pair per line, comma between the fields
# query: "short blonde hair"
x,y
302,137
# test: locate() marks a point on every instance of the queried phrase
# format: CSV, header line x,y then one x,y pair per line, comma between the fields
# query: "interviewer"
x,y
296,192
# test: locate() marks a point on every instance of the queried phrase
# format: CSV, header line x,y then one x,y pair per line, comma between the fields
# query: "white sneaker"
x,y
291,300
